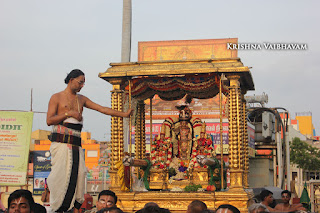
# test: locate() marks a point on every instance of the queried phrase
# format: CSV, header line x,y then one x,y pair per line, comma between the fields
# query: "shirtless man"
x,y
286,206
267,199
68,103
67,177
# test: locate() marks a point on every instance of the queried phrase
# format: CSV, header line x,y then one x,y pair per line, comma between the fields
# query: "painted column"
x,y
236,129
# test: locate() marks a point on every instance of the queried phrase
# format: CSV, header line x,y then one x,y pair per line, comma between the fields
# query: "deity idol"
x,y
161,150
202,146
184,133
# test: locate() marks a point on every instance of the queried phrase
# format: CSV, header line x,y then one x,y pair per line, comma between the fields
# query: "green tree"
x,y
304,155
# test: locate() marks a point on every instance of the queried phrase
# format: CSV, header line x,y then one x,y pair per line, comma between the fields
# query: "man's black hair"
x,y
111,209
197,206
230,207
150,204
38,208
108,192
22,193
73,74
154,209
265,193
286,192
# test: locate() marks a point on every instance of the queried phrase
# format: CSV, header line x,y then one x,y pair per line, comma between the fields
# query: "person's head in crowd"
x,y
257,208
110,210
106,199
150,204
286,196
196,206
266,197
21,201
153,209
227,208
38,208
207,211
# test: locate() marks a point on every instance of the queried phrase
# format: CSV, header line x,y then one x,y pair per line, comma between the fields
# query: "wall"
x,y
305,125
261,172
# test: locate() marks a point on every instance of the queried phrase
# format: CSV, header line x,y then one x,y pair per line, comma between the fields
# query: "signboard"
x,y
186,49
41,170
98,178
15,137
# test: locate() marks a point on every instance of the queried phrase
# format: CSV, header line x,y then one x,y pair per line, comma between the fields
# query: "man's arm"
x,y
53,118
292,208
296,207
269,208
105,110
279,206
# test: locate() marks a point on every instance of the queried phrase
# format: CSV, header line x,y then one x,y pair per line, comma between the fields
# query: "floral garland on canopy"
x,y
173,88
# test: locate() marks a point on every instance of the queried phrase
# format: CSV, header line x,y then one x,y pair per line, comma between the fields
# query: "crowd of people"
x,y
22,201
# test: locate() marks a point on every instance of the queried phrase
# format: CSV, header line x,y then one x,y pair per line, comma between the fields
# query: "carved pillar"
x,y
140,147
116,127
120,125
245,144
137,137
236,123
143,130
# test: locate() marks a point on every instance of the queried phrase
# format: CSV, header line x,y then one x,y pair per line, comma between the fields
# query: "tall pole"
x,y
288,160
126,31
279,155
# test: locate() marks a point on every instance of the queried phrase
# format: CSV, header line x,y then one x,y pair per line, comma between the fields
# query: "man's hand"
x,y
75,114
129,113
298,206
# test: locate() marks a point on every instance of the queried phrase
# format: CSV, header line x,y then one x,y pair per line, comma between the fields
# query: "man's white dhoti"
x,y
67,177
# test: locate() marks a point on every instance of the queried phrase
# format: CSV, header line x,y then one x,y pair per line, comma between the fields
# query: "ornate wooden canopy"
x,y
146,72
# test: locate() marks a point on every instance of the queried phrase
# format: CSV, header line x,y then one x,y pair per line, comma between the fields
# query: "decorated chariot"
x,y
182,157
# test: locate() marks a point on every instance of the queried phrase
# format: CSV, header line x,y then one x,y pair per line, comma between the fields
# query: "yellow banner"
x,y
15,136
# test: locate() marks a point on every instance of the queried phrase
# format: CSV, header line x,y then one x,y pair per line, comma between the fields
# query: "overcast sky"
x,y
41,41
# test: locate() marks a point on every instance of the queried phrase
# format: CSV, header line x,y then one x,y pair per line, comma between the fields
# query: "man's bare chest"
x,y
67,104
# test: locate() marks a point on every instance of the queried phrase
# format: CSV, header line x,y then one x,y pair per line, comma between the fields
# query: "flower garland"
x,y
161,153
208,150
